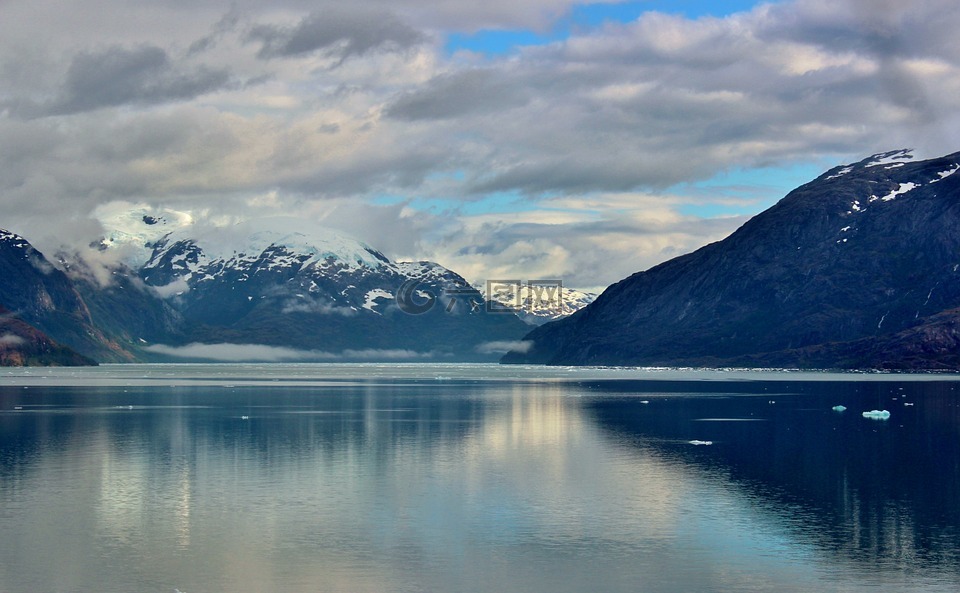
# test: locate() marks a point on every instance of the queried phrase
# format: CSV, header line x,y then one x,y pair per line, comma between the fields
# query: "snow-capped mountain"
x,y
859,268
133,230
288,283
538,302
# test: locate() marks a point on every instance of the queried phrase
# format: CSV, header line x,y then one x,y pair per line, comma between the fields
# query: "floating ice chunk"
x,y
877,414
840,408
701,442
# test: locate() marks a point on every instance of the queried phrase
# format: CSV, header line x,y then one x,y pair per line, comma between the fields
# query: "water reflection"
x,y
474,486
877,496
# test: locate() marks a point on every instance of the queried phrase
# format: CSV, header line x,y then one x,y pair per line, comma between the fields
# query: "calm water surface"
x,y
463,478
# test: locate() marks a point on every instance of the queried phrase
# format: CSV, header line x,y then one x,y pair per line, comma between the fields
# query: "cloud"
x,y
311,306
587,242
337,32
503,347
263,353
410,148
116,76
175,288
480,91
10,340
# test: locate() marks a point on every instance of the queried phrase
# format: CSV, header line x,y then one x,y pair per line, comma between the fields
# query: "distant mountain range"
x,y
860,268
272,289
537,301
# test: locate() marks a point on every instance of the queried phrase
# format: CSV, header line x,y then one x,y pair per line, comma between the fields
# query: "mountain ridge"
x,y
863,251
275,288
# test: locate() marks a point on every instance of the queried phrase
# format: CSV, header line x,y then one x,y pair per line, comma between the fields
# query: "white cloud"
x,y
10,340
502,347
264,353
300,108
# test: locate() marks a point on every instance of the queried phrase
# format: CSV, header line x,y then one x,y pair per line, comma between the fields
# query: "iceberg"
x,y
877,414
839,408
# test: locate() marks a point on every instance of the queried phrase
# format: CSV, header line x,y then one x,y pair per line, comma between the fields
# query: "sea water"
x,y
469,478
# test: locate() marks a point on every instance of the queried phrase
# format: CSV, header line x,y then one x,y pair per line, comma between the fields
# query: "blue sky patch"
x,y
494,42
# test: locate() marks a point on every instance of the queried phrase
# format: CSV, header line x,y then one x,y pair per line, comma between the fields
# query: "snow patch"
x,y
840,173
14,239
944,174
902,189
889,158
370,300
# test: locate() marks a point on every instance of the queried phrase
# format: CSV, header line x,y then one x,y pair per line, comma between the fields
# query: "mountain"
x,y
159,287
42,296
24,345
538,301
860,268
298,291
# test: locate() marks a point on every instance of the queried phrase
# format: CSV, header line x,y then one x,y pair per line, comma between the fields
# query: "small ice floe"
x,y
839,408
695,442
877,414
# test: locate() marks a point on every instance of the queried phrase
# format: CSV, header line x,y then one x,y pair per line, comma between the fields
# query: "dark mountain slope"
x,y
861,253
44,297
23,345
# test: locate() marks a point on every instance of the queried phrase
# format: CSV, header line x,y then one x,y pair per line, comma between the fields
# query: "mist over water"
x,y
475,478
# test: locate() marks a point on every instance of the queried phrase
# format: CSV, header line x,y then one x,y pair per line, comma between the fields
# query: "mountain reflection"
x,y
473,486
877,494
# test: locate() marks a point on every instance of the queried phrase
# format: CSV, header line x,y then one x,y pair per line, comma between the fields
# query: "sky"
x,y
558,139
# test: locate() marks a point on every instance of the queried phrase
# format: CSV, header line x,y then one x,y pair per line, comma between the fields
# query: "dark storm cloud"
x,y
337,32
118,76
